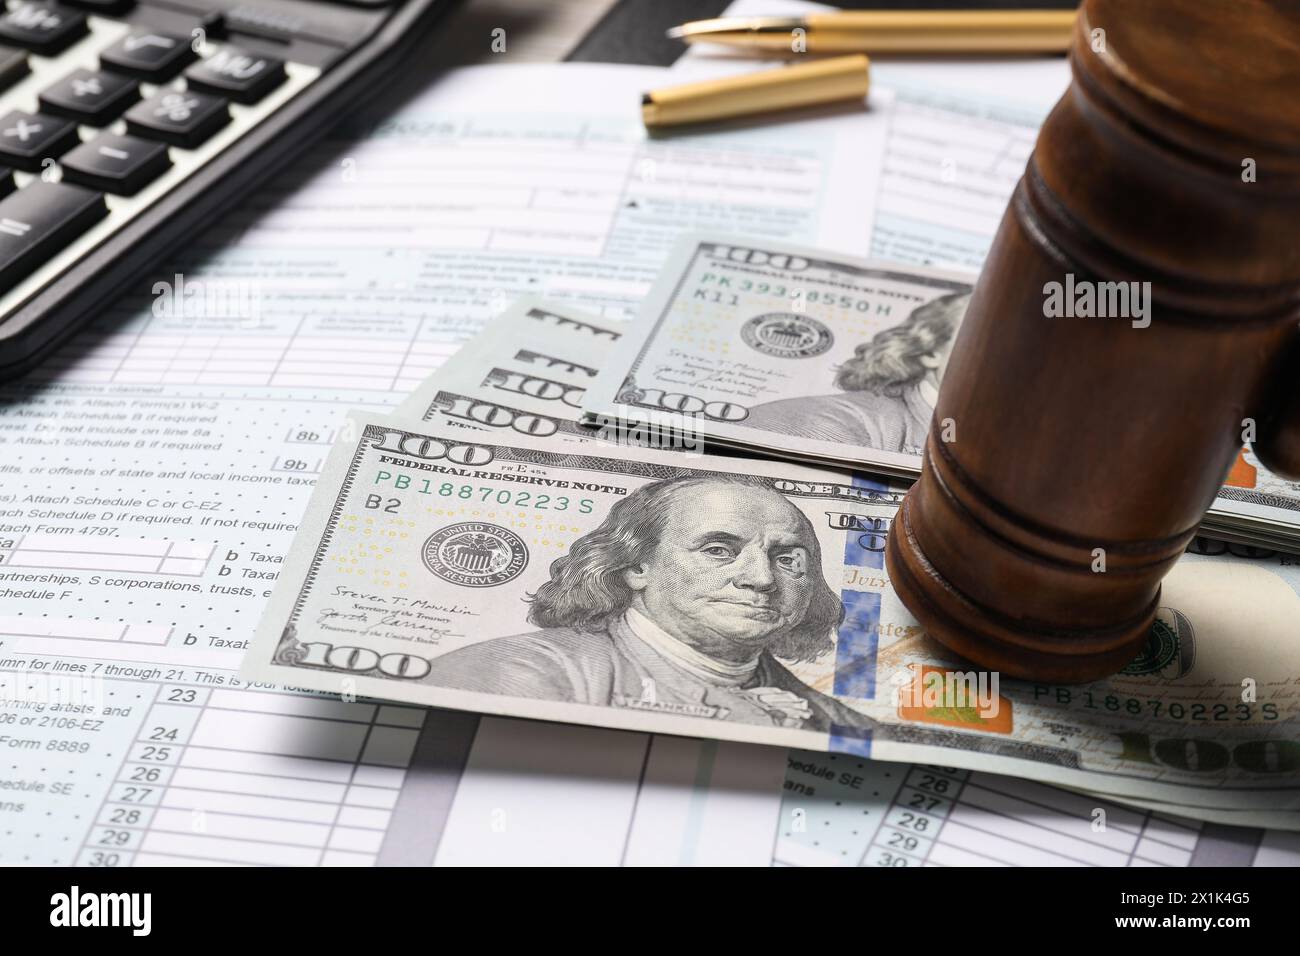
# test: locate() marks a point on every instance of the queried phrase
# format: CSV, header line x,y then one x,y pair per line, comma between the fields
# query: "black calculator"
x,y
125,127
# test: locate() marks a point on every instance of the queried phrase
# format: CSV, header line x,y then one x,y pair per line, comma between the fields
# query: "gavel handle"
x,y
1277,442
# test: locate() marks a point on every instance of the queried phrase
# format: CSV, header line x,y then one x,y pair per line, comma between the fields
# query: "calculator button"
x,y
185,119
39,220
150,56
116,164
7,184
13,66
244,77
90,96
42,28
28,138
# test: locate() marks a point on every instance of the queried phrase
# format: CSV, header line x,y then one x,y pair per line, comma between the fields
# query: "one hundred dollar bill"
x,y
745,600
1256,505
527,373
798,353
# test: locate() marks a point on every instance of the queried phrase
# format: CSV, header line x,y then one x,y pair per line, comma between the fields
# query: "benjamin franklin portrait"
x,y
684,600
888,389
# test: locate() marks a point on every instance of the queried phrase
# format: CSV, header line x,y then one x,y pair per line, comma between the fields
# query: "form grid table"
x,y
319,795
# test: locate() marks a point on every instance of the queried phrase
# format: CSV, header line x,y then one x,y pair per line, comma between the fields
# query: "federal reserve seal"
x,y
1170,651
786,335
475,555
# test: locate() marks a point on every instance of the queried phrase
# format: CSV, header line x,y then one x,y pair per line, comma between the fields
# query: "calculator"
x,y
126,127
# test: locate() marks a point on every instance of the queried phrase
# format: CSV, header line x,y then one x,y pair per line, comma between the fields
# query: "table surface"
x,y
535,30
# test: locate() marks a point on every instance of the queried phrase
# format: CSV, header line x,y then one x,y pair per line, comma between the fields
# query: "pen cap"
x,y
805,84
1137,321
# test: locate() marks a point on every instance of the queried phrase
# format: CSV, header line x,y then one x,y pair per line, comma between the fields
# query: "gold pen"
x,y
807,84
892,31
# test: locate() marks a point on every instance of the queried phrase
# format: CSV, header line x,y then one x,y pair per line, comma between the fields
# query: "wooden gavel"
x,y
1137,321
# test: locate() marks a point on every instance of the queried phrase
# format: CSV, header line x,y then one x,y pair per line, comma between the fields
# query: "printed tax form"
x,y
151,477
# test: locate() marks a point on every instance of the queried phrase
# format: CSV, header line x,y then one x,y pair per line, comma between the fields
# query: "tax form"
x,y
153,472
841,810
960,133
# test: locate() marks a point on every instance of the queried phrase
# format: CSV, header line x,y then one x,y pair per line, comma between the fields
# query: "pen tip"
x,y
675,33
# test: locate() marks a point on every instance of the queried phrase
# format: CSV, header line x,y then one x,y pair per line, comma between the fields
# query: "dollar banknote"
x,y
527,373
1257,506
814,356
794,352
745,600
558,344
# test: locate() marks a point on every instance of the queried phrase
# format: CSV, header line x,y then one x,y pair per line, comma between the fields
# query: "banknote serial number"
x,y
480,494
723,290
1171,710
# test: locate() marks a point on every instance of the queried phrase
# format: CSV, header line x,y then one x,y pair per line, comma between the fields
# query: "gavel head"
x,y
1134,325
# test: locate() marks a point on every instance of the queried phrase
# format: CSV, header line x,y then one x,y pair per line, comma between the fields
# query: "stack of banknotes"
x,y
677,525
